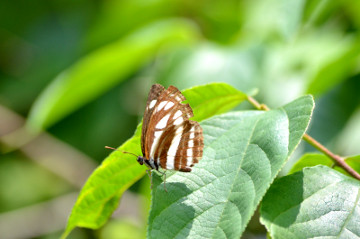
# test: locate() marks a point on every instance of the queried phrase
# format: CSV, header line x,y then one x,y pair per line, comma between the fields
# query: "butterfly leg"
x,y
165,182
148,171
164,174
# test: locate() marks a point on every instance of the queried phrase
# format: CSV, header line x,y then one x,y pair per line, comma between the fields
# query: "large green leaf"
x,y
97,72
317,202
207,62
101,193
116,18
243,153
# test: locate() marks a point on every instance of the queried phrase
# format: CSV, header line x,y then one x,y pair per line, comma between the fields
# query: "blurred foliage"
x,y
115,50
24,183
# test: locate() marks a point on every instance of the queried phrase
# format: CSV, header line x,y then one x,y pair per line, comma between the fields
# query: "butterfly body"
x,y
150,163
169,140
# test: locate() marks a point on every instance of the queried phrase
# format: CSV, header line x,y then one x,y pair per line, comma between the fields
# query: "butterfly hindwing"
x,y
186,147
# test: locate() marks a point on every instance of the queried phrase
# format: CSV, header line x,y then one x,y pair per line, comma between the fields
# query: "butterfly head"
x,y
141,160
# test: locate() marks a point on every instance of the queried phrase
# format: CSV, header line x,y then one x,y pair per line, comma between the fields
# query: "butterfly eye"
x,y
140,160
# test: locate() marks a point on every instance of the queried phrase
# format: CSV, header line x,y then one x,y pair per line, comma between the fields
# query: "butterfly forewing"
x,y
152,100
159,119
171,139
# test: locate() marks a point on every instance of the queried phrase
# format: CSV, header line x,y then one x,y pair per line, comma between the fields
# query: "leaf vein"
x,y
296,205
239,169
350,213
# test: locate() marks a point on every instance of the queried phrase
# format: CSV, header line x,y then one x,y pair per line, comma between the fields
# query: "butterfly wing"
x,y
152,100
186,147
173,141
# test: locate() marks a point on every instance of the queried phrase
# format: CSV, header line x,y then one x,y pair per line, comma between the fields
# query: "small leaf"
x,y
243,153
310,160
212,99
99,71
102,191
354,162
317,202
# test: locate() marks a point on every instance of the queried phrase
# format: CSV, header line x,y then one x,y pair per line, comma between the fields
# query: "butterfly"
x,y
169,140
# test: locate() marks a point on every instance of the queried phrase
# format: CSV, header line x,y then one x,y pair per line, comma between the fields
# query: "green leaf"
x,y
111,14
243,153
354,162
280,17
99,71
318,11
102,191
212,99
337,70
317,202
208,62
310,160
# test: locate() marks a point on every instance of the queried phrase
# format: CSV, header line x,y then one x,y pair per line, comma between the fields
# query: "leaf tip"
x,y
312,99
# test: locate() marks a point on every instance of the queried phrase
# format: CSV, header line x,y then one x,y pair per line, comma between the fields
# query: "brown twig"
x,y
336,158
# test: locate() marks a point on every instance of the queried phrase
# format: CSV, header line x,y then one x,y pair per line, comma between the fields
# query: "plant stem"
x,y
336,158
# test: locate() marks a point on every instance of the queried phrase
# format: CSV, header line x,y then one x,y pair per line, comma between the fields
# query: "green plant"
x,y
244,152
74,76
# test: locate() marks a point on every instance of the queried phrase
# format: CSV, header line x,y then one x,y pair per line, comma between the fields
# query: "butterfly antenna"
x,y
124,152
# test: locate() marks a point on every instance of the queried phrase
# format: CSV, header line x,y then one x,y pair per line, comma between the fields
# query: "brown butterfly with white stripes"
x,y
169,140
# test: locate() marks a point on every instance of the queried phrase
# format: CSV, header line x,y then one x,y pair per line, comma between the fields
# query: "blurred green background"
x,y
74,77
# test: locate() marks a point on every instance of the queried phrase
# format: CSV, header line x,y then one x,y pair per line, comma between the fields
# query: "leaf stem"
x,y
336,158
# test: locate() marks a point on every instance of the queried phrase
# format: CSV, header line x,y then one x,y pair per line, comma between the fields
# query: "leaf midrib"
x,y
238,170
